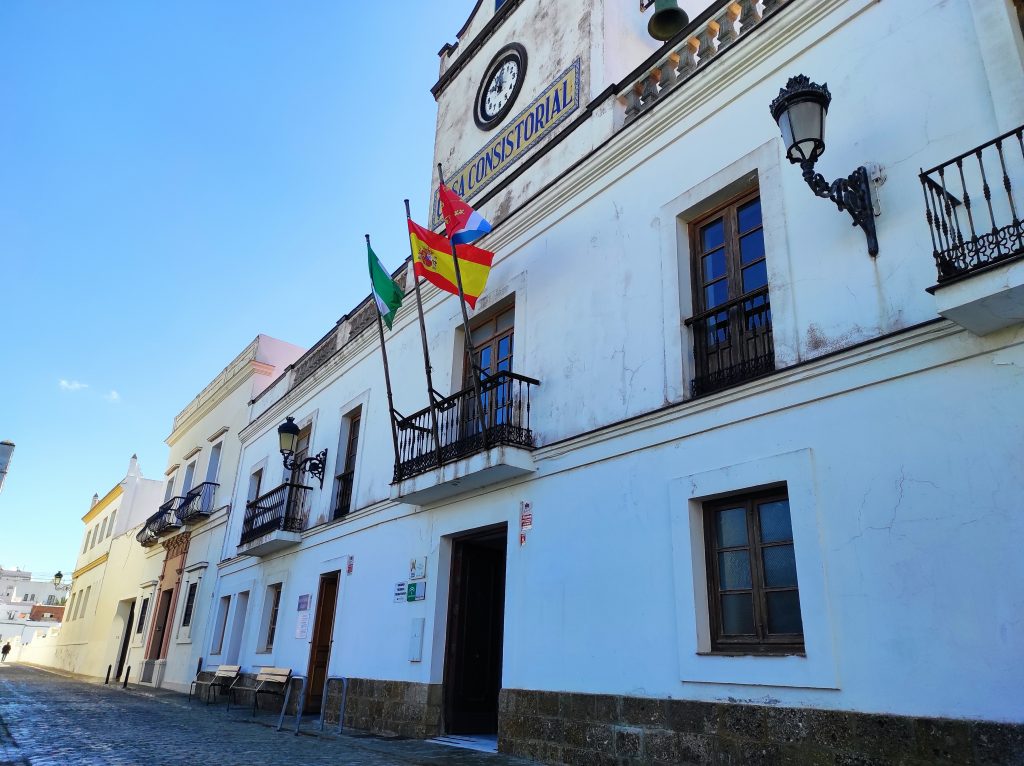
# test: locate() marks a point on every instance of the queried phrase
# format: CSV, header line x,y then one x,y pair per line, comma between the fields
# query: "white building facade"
x,y
734,488
188,527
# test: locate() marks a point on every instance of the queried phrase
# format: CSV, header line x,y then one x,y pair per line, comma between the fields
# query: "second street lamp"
x,y
288,436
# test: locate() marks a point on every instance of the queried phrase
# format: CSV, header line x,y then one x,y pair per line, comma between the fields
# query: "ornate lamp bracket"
x,y
852,194
313,465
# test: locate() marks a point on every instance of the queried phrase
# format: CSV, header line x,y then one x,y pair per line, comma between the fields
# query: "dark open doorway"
x,y
323,637
476,621
126,638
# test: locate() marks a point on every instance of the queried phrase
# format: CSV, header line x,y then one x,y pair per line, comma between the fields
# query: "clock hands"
x,y
503,84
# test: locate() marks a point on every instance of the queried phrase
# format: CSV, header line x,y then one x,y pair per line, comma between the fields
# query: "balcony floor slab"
x,y
984,301
454,479
270,543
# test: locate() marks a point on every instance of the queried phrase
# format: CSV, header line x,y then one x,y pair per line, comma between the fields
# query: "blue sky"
x,y
176,178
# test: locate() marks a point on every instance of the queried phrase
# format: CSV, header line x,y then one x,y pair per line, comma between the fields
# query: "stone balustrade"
x,y
724,25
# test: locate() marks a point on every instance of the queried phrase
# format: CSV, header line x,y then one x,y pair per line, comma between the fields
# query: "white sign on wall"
x,y
302,625
418,568
400,590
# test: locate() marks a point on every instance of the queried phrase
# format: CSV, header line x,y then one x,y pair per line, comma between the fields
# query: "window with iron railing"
x,y
345,478
732,321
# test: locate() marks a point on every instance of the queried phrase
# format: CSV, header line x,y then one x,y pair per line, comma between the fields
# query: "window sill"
x,y
183,641
265,651
753,653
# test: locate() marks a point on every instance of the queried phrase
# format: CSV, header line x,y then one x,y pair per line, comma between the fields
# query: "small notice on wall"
x,y
525,516
302,625
400,589
418,568
416,591
304,602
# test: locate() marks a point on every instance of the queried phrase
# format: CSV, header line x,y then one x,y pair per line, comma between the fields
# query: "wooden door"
x,y
323,637
475,632
156,641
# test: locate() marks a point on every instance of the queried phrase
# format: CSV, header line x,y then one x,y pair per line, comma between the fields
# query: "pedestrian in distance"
x,y
5,651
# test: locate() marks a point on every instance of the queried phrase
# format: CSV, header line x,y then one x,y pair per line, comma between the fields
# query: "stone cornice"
x,y
948,342
90,566
108,498
231,377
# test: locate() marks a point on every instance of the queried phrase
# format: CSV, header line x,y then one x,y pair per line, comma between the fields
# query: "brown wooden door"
x,y
323,637
156,641
476,621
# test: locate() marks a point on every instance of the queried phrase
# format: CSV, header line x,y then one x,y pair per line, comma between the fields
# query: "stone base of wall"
x,y
396,708
608,730
400,708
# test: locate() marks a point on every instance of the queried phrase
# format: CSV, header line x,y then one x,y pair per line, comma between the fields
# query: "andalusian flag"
x,y
386,292
432,259
462,223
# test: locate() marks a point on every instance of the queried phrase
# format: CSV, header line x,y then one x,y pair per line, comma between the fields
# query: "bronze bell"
x,y
668,20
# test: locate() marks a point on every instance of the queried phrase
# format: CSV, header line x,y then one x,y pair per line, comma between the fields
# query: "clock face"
x,y
500,88
502,82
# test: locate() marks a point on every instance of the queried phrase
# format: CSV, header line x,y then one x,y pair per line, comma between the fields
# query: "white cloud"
x,y
113,397
72,385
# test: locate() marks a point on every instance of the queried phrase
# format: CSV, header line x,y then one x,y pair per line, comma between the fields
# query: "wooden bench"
x,y
221,681
268,681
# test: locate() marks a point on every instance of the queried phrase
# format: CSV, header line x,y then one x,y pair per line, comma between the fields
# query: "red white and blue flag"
x,y
462,223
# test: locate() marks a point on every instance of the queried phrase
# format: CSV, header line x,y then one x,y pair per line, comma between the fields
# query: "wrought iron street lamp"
x,y
57,578
288,435
800,111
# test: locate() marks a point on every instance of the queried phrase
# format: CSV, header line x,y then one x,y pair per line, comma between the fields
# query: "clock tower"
x,y
513,91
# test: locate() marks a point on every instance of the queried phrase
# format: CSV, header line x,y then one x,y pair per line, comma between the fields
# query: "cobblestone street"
x,y
47,719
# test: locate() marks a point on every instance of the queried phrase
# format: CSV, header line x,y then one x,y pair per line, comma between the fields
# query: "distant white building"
x,y
20,588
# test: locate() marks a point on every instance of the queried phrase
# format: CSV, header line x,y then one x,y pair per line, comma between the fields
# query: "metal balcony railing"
x,y
282,508
163,521
974,223
146,536
465,427
345,482
198,502
732,342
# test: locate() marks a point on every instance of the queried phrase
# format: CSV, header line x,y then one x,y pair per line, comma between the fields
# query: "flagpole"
x,y
426,351
465,324
387,378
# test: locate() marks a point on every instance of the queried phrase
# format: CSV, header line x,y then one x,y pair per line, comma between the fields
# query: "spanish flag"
x,y
432,259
